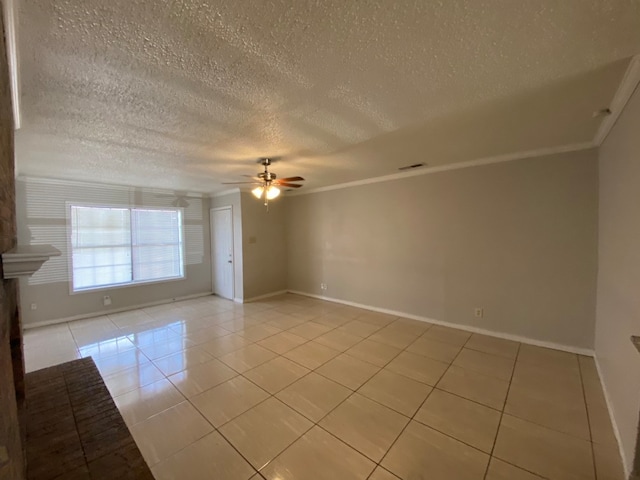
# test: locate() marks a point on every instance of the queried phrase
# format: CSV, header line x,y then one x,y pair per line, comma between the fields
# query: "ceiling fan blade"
x,y
285,184
239,183
292,179
250,176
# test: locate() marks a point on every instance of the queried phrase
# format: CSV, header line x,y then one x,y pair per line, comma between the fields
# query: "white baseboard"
x,y
238,300
492,333
56,321
625,464
266,295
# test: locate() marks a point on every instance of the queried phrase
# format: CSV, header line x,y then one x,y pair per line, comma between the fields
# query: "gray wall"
x,y
264,247
518,239
233,200
618,297
41,214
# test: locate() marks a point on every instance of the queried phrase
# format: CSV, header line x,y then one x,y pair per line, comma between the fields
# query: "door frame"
x,y
233,252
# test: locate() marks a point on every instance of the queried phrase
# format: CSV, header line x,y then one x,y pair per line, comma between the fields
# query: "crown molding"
x,y
454,166
128,188
68,182
9,9
627,86
225,192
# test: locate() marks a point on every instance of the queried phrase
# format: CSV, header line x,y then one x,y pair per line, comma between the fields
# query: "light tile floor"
x,y
297,388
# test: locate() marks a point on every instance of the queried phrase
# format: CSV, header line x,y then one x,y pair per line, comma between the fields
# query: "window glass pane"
x,y
100,242
156,244
100,226
101,276
101,256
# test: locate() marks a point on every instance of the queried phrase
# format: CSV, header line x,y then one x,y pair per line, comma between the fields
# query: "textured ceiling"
x,y
184,94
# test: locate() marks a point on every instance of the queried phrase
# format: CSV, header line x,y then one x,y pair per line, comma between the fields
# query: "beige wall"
x,y
518,239
233,200
618,297
263,245
41,213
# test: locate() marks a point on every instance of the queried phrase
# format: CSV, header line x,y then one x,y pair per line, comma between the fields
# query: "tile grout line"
x,y
256,471
504,405
376,464
348,396
421,405
240,315
269,396
323,376
241,373
380,368
217,430
586,407
459,396
449,393
313,424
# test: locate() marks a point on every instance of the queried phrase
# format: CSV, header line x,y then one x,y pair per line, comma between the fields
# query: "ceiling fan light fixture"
x,y
272,192
268,186
257,192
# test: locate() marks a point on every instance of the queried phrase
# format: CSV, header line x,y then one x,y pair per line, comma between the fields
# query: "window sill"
x,y
124,285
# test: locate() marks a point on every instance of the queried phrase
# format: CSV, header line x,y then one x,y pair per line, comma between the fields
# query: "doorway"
x,y
222,251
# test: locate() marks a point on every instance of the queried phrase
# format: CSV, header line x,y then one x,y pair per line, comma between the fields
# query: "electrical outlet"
x,y
106,300
34,306
323,286
479,312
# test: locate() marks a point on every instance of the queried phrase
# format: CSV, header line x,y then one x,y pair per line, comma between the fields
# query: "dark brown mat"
x,y
74,429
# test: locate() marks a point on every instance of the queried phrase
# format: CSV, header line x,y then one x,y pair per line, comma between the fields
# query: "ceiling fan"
x,y
267,183
179,199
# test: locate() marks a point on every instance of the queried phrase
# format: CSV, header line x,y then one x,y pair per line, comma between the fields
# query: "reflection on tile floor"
x,y
298,388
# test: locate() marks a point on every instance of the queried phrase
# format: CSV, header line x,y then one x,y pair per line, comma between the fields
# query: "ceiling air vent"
x,y
411,167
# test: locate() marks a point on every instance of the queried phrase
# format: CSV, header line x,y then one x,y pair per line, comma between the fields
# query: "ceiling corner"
x,y
627,86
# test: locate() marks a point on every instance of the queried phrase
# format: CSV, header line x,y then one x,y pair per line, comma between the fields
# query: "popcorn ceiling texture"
x,y
184,94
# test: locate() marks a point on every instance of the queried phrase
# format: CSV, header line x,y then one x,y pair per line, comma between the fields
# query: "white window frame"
x,y
133,283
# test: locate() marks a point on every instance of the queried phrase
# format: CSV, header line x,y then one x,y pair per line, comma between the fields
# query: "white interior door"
x,y
222,251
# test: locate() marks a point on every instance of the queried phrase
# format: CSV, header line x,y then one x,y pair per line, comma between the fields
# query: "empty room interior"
x,y
313,240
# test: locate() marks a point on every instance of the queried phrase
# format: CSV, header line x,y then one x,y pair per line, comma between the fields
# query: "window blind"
x,y
119,246
156,244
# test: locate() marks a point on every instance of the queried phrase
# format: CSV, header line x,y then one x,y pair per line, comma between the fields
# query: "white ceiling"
x,y
185,94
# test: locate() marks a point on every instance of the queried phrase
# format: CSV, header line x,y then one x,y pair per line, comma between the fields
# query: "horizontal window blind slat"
x,y
118,246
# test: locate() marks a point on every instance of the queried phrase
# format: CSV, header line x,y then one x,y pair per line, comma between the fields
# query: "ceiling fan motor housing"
x,y
267,176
